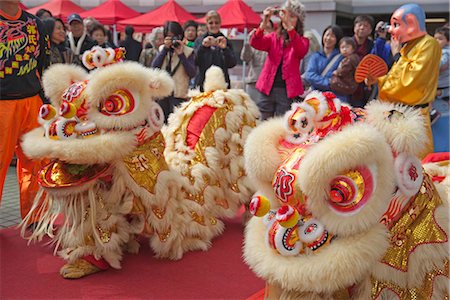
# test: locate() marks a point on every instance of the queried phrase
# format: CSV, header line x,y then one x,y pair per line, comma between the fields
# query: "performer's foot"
x,y
78,269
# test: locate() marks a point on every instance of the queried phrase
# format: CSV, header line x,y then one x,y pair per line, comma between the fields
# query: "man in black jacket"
x,y
132,46
77,39
23,56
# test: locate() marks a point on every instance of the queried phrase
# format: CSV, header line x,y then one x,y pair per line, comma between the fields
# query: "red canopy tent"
x,y
236,14
59,8
170,11
110,12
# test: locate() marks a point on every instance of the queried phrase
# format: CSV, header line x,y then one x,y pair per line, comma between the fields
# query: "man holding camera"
x,y
389,52
178,60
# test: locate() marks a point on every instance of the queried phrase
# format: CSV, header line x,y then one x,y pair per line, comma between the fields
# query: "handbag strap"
x,y
330,65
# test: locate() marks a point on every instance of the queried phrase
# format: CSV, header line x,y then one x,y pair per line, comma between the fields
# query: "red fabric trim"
x,y
258,295
438,178
99,263
197,123
346,116
436,157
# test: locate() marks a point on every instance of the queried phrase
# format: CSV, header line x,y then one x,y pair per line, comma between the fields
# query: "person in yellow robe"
x,y
413,79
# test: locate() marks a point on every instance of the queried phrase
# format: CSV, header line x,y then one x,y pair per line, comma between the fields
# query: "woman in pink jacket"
x,y
280,82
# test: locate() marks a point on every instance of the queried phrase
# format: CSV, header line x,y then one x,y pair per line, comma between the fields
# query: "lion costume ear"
x,y
403,126
214,80
58,77
150,84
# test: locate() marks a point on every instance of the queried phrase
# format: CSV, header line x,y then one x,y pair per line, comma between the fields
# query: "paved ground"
x,y
9,208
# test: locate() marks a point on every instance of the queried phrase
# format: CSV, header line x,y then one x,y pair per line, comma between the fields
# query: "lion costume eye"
x,y
121,102
351,191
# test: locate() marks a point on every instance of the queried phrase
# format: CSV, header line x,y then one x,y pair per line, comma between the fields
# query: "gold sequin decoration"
x,y
199,98
105,234
198,218
191,179
197,197
424,292
159,212
226,149
100,200
416,226
86,214
164,236
222,202
240,149
146,176
234,186
213,220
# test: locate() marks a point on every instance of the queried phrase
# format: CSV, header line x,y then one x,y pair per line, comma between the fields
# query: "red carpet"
x,y
31,272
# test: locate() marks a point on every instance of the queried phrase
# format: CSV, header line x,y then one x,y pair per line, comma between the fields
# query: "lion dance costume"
x,y
344,208
108,174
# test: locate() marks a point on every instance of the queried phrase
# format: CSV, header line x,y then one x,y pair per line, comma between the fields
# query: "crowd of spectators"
x,y
273,80
326,62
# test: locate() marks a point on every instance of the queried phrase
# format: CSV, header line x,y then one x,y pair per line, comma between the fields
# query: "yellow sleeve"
x,y
413,79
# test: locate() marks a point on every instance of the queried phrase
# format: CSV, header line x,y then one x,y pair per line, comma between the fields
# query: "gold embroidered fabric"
x,y
424,292
146,162
59,174
417,226
207,137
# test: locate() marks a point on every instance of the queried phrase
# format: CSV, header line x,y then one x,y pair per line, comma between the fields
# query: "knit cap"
x,y
295,7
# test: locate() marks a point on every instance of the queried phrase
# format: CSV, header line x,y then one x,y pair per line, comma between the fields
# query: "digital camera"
x,y
176,42
384,27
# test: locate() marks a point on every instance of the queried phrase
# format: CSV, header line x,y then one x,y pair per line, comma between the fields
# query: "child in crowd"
x,y
343,82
